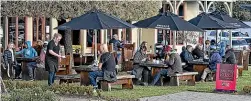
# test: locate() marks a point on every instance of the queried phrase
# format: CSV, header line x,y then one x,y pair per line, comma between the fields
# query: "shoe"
x,y
144,84
202,80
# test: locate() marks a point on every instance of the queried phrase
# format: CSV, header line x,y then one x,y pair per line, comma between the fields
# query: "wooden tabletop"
x,y
199,63
155,65
83,68
25,59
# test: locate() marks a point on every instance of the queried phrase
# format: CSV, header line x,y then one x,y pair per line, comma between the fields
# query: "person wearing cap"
x,y
214,60
175,64
187,58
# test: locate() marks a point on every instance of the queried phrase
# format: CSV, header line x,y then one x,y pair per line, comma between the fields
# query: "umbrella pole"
x,y
230,38
204,40
95,50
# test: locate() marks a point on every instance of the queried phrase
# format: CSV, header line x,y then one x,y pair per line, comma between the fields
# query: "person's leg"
x,y
50,77
146,76
204,75
30,70
18,71
53,77
93,76
158,75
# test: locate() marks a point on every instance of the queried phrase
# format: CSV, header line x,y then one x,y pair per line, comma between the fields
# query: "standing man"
x,y
116,45
52,56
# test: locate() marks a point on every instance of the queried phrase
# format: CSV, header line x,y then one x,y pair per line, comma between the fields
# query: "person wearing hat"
x,y
215,58
174,61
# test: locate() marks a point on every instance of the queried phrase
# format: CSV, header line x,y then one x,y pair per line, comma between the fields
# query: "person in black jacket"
x,y
10,62
230,56
198,52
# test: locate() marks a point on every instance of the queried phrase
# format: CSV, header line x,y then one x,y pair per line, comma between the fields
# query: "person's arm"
x,y
50,48
20,52
171,60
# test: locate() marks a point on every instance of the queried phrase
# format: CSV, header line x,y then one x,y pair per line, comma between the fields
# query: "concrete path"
x,y
198,96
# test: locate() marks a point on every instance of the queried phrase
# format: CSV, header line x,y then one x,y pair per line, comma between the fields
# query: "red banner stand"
x,y
226,77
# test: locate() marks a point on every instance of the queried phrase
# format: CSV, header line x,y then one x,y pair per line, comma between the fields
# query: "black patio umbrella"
x,y
95,19
226,18
208,22
167,20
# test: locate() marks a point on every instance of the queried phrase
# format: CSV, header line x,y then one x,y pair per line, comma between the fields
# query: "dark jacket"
x,y
197,53
7,56
230,57
175,63
116,44
182,54
188,57
214,59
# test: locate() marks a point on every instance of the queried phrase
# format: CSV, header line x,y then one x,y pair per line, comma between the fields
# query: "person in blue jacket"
x,y
214,60
29,52
222,49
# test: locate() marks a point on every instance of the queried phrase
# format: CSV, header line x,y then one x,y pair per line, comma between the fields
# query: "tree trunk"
x,y
68,47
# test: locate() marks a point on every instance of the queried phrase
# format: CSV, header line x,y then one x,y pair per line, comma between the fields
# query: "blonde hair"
x,y
56,35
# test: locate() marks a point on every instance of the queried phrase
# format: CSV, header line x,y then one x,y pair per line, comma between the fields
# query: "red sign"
x,y
226,77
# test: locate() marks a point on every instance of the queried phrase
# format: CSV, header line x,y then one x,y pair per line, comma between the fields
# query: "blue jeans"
x,y
51,78
31,66
93,75
163,72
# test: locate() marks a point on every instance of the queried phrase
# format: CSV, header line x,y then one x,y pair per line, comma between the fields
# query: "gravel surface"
x,y
198,96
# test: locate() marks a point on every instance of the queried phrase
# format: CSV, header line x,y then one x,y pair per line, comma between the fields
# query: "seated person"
x,y
187,58
138,70
214,59
106,67
198,52
182,54
10,61
230,56
29,52
175,67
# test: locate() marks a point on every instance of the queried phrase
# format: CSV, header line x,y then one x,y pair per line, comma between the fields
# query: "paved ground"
x,y
198,96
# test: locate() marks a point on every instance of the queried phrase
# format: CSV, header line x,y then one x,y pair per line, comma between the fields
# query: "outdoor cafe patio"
x,y
166,21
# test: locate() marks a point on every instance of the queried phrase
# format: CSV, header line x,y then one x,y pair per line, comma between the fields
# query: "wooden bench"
x,y
189,76
71,78
124,80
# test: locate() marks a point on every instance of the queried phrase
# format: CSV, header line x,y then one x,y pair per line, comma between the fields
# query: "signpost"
x,y
226,77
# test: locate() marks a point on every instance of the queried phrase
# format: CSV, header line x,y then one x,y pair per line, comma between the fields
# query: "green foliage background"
x,y
136,10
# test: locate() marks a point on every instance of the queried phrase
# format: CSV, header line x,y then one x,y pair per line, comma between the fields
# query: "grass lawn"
x,y
147,91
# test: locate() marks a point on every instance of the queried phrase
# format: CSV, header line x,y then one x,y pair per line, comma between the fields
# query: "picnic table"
x,y
24,61
155,67
199,66
84,74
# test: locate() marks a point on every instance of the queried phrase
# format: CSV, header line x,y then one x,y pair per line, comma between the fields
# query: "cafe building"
x,y
18,28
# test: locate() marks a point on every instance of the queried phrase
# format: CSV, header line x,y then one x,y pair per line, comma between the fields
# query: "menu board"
x,y
226,77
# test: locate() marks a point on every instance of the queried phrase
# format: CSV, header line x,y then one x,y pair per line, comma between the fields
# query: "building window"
x,y
16,30
162,35
90,37
39,28
76,37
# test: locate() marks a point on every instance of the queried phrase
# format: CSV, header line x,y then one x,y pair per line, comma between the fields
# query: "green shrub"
x,y
32,94
73,89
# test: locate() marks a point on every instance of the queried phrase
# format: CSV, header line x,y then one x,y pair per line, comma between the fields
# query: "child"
x,y
10,62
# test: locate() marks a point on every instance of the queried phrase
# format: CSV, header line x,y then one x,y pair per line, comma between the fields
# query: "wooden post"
x,y
16,30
